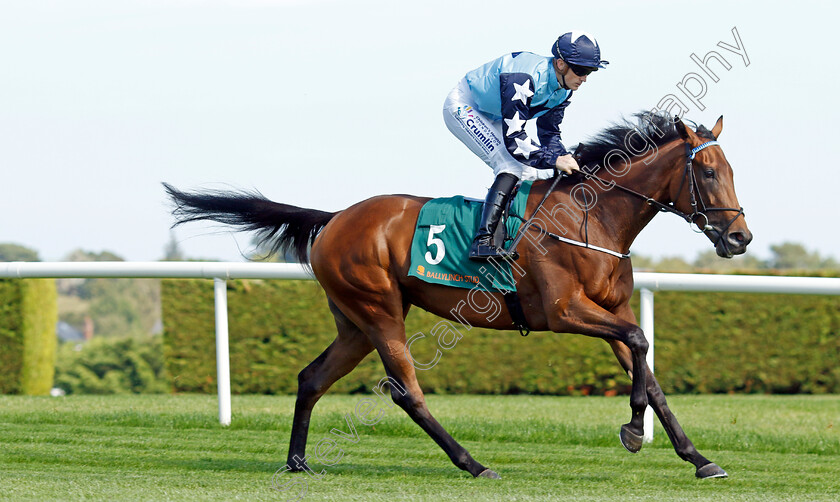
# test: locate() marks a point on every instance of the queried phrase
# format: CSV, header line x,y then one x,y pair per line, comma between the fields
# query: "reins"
x,y
530,221
698,209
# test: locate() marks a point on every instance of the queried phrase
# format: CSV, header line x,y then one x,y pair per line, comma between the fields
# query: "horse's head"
x,y
713,205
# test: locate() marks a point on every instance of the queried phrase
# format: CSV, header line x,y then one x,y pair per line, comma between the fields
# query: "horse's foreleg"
x,y
705,468
588,318
348,349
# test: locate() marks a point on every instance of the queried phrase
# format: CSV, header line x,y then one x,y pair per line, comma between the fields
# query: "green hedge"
x,y
28,315
112,366
276,328
705,342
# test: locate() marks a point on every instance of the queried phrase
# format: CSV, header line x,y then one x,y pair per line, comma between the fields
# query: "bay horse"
x,y
361,257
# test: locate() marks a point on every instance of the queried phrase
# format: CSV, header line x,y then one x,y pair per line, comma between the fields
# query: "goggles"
x,y
581,71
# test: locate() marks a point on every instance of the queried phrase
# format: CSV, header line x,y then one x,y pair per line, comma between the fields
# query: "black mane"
x,y
657,127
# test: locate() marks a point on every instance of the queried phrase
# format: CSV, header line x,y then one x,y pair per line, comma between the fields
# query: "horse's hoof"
x,y
709,471
632,442
489,473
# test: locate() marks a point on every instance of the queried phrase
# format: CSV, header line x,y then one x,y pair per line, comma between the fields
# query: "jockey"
x,y
508,112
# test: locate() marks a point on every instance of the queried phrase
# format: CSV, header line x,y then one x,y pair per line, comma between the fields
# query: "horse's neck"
x,y
623,215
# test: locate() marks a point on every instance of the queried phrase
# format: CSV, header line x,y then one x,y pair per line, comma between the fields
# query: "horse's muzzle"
x,y
733,243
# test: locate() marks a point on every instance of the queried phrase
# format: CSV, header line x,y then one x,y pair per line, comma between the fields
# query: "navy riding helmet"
x,y
579,48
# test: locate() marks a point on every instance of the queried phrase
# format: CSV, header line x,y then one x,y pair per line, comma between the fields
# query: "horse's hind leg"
x,y
683,446
381,317
410,398
344,354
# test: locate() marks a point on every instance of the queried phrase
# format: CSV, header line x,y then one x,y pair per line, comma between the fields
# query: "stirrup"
x,y
485,252
482,248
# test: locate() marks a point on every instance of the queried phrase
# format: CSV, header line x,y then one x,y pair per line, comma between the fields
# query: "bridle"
x,y
698,205
695,198
704,209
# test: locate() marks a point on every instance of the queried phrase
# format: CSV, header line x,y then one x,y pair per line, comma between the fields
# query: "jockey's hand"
x,y
567,164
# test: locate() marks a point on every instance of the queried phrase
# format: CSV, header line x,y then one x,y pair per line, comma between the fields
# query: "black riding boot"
x,y
494,205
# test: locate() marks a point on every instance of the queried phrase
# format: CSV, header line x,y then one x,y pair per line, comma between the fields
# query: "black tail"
x,y
279,227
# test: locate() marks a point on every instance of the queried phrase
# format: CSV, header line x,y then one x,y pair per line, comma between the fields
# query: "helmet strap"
x,y
562,76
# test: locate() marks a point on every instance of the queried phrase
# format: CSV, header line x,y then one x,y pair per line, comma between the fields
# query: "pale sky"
x,y
324,103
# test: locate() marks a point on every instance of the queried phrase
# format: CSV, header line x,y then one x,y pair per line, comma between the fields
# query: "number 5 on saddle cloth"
x,y
442,239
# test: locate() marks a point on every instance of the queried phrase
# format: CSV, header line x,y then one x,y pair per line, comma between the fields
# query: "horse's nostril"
x,y
739,238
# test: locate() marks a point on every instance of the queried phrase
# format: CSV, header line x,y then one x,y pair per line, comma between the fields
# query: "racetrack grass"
x,y
545,448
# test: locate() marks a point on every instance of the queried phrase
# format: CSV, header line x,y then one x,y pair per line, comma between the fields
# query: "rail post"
x,y
646,323
222,350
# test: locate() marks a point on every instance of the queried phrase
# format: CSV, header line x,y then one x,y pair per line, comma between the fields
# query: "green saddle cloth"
x,y
442,239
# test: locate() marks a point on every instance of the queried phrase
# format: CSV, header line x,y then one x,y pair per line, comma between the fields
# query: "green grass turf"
x,y
545,448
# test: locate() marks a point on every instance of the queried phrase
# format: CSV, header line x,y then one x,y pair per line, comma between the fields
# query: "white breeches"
x,y
483,136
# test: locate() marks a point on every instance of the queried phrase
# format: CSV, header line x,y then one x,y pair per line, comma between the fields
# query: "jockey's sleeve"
x,y
548,128
517,90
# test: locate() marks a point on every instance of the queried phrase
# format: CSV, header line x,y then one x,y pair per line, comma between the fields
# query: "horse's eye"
x,y
709,173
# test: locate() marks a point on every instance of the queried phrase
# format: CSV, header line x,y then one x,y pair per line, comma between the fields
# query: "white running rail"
x,y
220,272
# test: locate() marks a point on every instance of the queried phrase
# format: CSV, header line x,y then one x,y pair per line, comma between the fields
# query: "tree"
x,y
81,287
829,263
82,255
112,366
16,252
790,255
116,306
672,264
642,262
172,251
709,260
262,253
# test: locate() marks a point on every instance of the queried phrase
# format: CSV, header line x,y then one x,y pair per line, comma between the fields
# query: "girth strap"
x,y
514,306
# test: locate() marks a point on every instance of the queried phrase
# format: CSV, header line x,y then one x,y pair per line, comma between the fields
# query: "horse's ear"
x,y
718,127
681,128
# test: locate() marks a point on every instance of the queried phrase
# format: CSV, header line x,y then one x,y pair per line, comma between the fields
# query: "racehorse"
x,y
361,257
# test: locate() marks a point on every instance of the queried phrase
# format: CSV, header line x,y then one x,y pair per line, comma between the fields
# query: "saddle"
x,y
442,239
443,235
